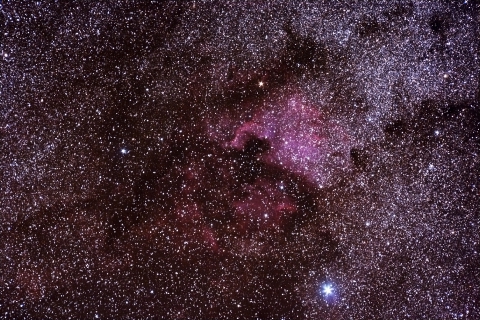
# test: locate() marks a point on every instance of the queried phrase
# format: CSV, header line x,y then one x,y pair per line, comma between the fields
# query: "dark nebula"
x,y
239,160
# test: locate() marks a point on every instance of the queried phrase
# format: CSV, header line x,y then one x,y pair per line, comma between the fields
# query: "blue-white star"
x,y
327,289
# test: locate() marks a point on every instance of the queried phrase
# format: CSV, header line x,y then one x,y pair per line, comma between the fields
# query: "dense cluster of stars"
x,y
269,160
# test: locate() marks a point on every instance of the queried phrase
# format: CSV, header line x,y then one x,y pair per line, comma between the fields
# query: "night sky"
x,y
239,160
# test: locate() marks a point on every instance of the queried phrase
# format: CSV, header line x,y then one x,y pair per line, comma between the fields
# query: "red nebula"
x,y
301,141
264,208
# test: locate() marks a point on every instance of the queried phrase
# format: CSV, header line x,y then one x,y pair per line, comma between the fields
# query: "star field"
x,y
239,160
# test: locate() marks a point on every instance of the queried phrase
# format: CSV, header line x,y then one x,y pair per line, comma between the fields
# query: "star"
x,y
328,293
327,289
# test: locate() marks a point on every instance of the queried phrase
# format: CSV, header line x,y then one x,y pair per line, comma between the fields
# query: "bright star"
x,y
124,151
327,289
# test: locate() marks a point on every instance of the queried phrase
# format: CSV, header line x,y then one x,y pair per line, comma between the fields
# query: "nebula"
x,y
252,174
239,160
300,140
